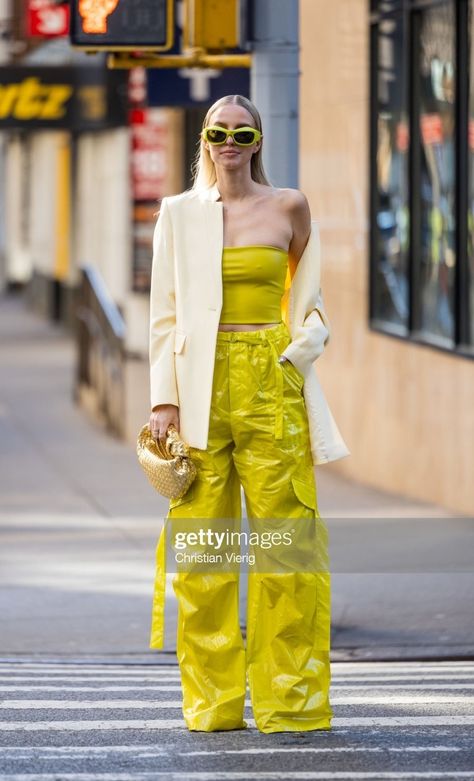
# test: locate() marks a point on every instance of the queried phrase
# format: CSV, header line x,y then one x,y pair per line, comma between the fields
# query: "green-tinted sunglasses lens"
x,y
245,137
215,136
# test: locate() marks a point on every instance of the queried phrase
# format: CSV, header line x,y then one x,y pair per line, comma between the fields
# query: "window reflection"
x,y
437,193
391,285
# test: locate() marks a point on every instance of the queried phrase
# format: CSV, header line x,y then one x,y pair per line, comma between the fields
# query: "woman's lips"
x,y
229,153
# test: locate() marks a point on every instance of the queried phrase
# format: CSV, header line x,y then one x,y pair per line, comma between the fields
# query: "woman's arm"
x,y
300,217
311,337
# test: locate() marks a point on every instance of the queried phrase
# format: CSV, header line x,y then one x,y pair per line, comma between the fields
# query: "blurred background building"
x,y
385,139
387,145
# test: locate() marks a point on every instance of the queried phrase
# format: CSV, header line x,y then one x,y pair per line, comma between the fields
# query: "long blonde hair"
x,y
203,169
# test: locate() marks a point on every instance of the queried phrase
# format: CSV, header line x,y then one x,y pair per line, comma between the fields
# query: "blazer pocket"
x,y
179,340
290,367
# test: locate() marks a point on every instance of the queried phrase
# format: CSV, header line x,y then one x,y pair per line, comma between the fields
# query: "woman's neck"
x,y
236,186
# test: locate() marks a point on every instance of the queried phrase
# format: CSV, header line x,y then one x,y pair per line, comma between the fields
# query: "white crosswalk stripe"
x,y
102,704
384,712
240,776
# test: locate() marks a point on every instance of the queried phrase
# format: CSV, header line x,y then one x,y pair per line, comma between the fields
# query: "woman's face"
x,y
229,155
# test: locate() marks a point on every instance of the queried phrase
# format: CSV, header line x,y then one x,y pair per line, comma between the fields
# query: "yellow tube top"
x,y
253,280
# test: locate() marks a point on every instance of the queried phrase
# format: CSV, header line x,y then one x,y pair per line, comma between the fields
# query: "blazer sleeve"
x,y
310,337
163,387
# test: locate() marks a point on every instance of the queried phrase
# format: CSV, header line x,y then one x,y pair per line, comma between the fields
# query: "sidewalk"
x,y
79,524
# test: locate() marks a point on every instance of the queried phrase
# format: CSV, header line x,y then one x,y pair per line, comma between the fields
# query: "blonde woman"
x,y
236,325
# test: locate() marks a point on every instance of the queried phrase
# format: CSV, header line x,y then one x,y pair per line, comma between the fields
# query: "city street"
x,y
81,721
83,697
170,170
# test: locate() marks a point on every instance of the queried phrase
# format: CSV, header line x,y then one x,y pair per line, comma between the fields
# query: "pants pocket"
x,y
305,490
293,374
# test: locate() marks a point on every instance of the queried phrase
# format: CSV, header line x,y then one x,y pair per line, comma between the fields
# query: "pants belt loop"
x,y
279,390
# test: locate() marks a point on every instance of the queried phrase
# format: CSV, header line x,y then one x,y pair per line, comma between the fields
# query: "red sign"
x,y
402,136
137,86
471,134
47,19
431,129
150,130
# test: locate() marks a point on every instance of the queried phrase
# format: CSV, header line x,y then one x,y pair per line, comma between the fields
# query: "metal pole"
x,y
274,85
5,35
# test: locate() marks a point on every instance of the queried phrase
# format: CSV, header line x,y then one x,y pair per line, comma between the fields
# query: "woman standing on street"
x,y
236,323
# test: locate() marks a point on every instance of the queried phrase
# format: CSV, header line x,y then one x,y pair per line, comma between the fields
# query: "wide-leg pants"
x,y
258,439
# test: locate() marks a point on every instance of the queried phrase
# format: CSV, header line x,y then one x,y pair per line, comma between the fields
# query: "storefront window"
x,y
422,171
437,176
392,214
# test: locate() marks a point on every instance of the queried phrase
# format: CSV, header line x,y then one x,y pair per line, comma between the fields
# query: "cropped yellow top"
x,y
253,279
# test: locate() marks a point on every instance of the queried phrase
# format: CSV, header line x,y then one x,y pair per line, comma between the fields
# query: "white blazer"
x,y
185,308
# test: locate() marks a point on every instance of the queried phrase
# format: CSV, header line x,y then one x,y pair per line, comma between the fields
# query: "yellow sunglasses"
x,y
242,136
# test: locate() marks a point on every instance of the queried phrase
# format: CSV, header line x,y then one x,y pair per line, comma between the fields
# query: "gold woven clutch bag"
x,y
169,468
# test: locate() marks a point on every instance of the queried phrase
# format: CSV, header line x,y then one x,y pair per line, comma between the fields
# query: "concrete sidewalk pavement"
x,y
79,525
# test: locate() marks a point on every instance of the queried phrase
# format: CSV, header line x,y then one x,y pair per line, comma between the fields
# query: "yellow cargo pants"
x,y
258,439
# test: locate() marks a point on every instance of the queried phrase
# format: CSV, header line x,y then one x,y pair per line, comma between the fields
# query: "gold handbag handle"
x,y
172,442
162,452
176,446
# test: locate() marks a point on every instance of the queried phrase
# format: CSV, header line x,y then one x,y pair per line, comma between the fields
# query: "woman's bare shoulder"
x,y
298,210
295,200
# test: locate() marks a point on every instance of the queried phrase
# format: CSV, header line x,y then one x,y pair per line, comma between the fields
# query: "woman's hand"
x,y
162,416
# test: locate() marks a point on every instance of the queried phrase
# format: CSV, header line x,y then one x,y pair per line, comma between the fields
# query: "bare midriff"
x,y
244,326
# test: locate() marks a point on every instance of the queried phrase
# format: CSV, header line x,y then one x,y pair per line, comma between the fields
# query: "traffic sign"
x,y
122,24
195,86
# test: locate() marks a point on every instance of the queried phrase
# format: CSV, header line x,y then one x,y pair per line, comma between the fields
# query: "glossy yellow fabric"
x,y
258,438
253,282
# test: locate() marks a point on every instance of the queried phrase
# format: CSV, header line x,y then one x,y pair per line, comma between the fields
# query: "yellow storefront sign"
x,y
30,99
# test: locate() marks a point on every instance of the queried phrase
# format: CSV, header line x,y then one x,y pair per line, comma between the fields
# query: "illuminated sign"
x,y
75,98
47,18
122,24
95,14
30,99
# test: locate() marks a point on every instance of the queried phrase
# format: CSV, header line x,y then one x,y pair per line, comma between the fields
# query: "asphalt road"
x,y
79,525
105,722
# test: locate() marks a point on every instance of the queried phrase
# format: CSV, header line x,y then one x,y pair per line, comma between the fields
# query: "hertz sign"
x,y
73,98
122,24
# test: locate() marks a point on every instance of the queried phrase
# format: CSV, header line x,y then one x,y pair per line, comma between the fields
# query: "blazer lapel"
x,y
212,211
